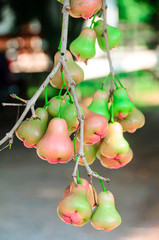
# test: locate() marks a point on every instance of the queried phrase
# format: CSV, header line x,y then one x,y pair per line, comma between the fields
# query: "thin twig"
x,y
91,173
13,104
71,158
14,96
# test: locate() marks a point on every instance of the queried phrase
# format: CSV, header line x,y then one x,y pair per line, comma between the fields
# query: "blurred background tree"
x,y
138,19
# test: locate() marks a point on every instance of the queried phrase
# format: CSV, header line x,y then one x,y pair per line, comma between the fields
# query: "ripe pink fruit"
x,y
56,146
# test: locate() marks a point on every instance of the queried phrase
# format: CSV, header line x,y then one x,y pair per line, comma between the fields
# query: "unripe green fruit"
x,y
122,105
83,47
105,216
69,113
54,106
100,104
114,35
32,130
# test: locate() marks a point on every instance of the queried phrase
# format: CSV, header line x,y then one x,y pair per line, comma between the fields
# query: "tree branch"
x,y
13,104
30,103
105,31
66,8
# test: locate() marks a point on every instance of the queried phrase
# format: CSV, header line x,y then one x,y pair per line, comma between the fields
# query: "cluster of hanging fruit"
x,y
106,118
77,207
102,139
83,47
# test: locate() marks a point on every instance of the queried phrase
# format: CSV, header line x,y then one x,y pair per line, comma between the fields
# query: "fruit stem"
x,y
119,81
112,110
104,189
75,150
114,81
59,115
60,92
59,47
64,83
92,23
104,82
46,98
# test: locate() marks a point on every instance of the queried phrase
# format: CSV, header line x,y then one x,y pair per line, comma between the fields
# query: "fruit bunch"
x,y
83,47
81,204
50,128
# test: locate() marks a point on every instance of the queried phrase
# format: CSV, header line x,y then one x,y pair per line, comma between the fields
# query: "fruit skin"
x,y
114,145
56,146
91,192
83,47
69,113
115,163
75,71
75,208
84,8
54,106
133,121
32,130
100,104
95,127
90,152
122,105
105,216
114,35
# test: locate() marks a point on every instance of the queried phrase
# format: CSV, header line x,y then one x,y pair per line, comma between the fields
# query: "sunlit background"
x,y
30,189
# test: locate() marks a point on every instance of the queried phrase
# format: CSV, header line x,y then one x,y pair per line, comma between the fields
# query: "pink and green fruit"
x,y
54,106
75,71
32,130
83,47
122,105
105,217
95,127
69,113
90,152
114,145
115,163
100,104
56,146
84,8
114,35
75,209
133,121
91,192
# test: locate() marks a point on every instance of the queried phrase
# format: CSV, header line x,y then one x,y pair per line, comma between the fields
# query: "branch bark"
x,y
105,31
